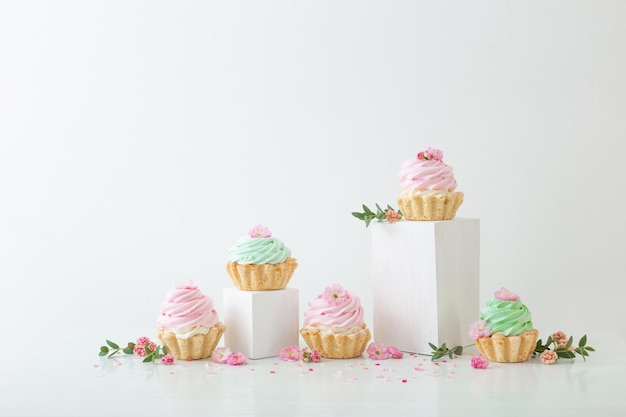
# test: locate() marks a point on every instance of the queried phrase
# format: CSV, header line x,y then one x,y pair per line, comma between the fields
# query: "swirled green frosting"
x,y
509,317
266,250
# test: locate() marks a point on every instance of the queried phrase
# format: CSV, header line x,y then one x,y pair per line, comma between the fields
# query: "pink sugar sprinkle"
x,y
95,365
404,381
444,361
272,372
436,364
376,364
365,369
311,369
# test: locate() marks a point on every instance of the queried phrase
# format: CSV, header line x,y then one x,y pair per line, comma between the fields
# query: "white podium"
x,y
425,279
260,323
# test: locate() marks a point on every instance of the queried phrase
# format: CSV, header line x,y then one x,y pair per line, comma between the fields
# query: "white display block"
x,y
260,323
426,285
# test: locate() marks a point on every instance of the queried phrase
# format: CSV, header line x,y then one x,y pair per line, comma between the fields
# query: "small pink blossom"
x,y
142,341
431,154
237,359
479,329
220,355
377,351
312,356
505,295
392,216
152,346
139,350
259,231
479,362
335,295
167,360
394,352
560,338
549,357
290,353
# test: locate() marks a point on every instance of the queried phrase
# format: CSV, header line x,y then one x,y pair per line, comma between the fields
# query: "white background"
x,y
139,140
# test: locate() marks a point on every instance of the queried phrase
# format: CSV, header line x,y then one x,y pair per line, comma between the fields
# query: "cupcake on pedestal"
x,y
333,324
505,331
428,188
260,262
188,324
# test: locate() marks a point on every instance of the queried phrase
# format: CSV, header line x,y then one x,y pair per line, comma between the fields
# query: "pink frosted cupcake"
x,y
188,324
333,324
428,188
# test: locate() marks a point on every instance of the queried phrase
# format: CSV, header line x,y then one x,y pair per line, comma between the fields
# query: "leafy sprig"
x,y
149,351
566,351
443,350
389,214
113,348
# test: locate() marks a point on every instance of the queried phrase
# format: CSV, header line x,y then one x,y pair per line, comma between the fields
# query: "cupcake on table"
x,y
505,331
334,326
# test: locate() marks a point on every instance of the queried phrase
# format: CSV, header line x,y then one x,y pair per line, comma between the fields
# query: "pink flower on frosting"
x,y
549,357
259,231
560,338
392,216
313,356
378,351
290,353
479,329
479,362
167,360
220,355
335,294
431,154
139,350
394,352
505,295
142,341
237,359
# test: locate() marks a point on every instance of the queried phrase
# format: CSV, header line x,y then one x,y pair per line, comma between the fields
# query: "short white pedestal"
x,y
425,282
260,323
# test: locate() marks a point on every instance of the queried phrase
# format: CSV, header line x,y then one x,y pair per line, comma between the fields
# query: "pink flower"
x,y
479,329
392,216
290,353
167,360
237,359
431,154
394,352
549,357
505,295
139,350
313,356
152,346
479,362
142,341
259,231
335,294
220,355
378,351
560,338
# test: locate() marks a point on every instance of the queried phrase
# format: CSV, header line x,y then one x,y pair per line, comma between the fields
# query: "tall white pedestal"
x,y
425,277
260,323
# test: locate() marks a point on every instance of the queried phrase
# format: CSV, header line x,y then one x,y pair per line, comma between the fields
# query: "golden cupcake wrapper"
x,y
261,277
337,346
198,346
430,207
501,348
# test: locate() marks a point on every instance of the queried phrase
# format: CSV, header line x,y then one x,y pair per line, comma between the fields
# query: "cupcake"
x,y
428,186
505,332
333,324
188,324
260,262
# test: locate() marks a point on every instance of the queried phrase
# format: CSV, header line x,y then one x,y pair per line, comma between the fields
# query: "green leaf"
x,y
436,356
458,350
103,353
164,350
113,345
444,347
367,210
127,351
104,349
569,342
450,354
565,354
433,347
549,341
583,341
590,348
148,358
357,215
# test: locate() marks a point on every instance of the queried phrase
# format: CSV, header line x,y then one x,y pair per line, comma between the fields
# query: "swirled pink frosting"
x,y
422,174
186,306
335,307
